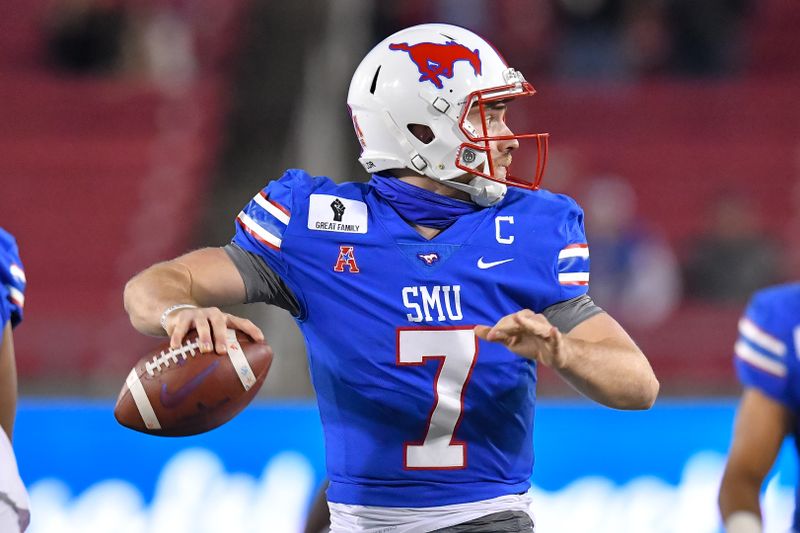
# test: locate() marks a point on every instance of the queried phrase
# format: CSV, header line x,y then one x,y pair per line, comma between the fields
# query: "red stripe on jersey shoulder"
x,y
276,204
256,236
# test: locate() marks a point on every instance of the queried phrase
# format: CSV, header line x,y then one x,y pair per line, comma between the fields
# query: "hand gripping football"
x,y
184,392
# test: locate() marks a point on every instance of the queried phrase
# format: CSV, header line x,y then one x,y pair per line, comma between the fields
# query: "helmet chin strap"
x,y
482,191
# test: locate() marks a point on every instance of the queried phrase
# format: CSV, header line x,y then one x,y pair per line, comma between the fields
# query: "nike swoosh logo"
x,y
170,400
483,265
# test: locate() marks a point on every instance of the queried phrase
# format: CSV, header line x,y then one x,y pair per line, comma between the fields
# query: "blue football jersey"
x,y
416,411
766,352
12,281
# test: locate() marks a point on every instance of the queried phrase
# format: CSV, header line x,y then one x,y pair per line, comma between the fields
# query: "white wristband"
x,y
743,522
170,309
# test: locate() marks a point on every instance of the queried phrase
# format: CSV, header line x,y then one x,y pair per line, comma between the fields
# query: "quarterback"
x,y
428,296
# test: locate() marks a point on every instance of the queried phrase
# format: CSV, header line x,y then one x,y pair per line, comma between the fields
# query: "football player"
x,y
14,514
766,358
427,296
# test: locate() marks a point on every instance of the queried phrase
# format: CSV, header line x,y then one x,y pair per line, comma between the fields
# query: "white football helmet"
x,y
432,75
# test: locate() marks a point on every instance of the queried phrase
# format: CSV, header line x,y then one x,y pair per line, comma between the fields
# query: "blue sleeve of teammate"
x,y
572,263
5,309
761,357
12,280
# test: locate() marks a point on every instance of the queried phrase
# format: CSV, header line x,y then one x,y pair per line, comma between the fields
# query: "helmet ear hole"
x,y
422,132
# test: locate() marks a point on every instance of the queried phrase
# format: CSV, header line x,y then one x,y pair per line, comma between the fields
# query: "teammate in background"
x,y
768,367
400,283
14,514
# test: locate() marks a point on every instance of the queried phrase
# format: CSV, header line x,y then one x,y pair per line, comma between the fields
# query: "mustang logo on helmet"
x,y
435,60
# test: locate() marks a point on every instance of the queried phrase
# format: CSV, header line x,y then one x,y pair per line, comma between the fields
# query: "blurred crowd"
x,y
641,278
574,39
597,39
112,37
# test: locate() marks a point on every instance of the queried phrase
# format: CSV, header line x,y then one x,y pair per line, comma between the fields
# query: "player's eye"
x,y
494,120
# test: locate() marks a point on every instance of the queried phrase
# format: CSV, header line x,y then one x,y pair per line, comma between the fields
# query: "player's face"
x,y
495,115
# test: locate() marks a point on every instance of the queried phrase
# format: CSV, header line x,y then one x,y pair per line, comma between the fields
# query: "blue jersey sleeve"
x,y
12,281
572,264
263,225
761,351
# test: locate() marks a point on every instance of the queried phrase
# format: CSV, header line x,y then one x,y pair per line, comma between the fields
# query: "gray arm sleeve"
x,y
261,283
569,313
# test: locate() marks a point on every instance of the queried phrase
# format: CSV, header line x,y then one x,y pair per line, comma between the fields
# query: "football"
x,y
185,392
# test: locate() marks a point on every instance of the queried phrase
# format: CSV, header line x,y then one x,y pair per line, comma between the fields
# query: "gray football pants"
x,y
503,522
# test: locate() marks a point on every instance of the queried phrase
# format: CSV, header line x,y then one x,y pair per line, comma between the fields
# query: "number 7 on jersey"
x,y
456,351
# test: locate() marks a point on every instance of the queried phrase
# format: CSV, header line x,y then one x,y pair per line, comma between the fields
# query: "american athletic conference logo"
x,y
435,61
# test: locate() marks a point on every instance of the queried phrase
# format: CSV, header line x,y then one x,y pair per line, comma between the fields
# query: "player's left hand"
x,y
530,335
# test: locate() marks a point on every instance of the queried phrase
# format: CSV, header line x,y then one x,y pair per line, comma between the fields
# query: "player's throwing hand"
x,y
530,335
207,321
